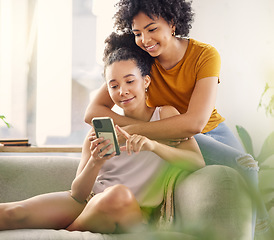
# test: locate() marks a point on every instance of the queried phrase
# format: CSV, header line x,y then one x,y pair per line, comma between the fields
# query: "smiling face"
x,y
152,35
126,87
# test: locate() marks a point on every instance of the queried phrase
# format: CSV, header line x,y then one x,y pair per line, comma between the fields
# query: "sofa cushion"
x,y
46,234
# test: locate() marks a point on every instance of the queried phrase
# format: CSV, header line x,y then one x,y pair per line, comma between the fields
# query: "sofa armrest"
x,y
22,177
214,203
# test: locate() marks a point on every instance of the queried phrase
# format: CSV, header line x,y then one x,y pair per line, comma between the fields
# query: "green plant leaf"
x,y
246,139
267,148
3,118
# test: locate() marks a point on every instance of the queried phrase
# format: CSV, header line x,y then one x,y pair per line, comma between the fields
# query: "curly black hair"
x,y
177,12
122,47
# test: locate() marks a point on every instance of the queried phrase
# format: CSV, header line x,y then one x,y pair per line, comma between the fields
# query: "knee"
x,y
117,197
247,162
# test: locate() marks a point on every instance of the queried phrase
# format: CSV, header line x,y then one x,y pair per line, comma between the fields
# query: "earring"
x,y
173,34
146,95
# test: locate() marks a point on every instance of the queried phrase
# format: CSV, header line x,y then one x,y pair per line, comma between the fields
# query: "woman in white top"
x,y
122,184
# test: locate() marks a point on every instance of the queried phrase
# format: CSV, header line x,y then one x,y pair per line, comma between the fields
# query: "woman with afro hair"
x,y
185,75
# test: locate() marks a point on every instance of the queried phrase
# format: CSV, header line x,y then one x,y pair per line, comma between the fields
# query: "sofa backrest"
x,y
22,177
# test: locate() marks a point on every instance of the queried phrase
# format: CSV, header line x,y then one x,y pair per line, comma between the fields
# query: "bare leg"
x,y
115,208
54,210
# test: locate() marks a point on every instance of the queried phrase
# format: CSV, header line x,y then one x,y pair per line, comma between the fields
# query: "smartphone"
x,y
104,127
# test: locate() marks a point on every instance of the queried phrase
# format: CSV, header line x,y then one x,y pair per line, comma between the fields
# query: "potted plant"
x,y
267,151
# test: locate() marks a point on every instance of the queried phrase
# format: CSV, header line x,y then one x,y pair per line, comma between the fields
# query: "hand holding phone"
x,y
104,127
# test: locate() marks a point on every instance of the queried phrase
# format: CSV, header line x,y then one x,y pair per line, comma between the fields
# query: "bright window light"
x,y
104,11
5,57
54,69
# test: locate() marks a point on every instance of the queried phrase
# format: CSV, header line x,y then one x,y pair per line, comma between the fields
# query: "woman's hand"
x,y
92,134
121,135
135,143
99,148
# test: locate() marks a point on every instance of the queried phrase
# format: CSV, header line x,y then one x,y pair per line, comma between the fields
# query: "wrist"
x,y
154,146
95,164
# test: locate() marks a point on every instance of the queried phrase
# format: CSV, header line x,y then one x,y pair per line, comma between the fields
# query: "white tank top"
x,y
142,173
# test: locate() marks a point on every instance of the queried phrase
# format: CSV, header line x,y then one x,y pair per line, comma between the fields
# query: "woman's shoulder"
x,y
168,111
200,47
195,43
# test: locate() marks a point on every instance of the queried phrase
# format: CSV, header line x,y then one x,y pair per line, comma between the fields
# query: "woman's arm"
x,y
192,122
200,108
187,155
89,167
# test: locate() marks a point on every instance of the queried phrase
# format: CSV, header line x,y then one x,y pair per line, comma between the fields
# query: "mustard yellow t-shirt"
x,y
175,86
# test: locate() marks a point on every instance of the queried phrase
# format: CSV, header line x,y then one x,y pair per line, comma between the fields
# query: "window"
x,y
50,63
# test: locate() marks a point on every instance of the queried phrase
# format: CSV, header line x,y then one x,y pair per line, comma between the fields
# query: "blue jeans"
x,y
221,147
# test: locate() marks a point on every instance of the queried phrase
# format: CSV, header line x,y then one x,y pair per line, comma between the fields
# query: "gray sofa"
x,y
199,212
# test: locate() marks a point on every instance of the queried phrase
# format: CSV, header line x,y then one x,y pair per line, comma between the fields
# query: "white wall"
x,y
243,33
240,30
